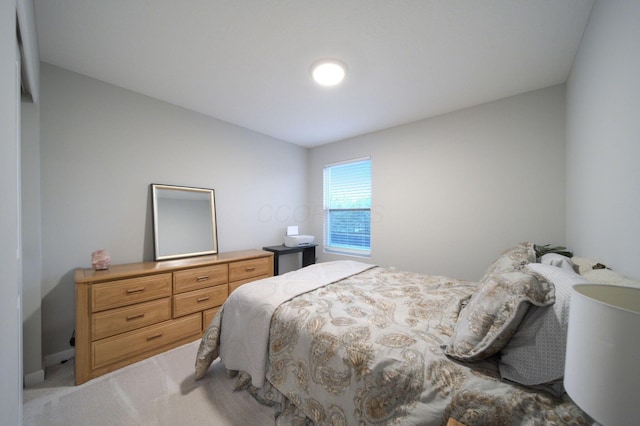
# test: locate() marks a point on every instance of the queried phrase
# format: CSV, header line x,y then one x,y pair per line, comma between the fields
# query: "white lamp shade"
x,y
602,369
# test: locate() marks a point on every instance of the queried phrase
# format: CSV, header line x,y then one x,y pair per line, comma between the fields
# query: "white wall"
x,y
450,193
10,255
31,243
101,147
603,139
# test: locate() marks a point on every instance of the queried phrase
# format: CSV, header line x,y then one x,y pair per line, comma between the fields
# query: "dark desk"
x,y
308,254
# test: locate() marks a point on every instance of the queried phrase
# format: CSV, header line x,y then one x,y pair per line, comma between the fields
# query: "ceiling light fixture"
x,y
328,72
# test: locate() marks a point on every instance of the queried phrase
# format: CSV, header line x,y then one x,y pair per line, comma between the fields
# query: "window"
x,y
347,207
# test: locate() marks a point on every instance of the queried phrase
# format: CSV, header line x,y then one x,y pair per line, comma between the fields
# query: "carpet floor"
x,y
157,391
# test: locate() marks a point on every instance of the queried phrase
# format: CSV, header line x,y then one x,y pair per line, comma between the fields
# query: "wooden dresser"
x,y
133,311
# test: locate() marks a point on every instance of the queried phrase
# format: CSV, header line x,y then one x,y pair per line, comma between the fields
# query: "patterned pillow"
x,y
535,354
607,276
512,259
494,312
583,264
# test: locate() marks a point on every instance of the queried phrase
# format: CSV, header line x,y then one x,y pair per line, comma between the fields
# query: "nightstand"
x,y
308,254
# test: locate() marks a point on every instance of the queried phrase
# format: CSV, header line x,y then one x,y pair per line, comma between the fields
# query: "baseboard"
x,y
59,357
33,378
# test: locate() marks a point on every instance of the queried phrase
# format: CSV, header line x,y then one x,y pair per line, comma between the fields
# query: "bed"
x,y
347,343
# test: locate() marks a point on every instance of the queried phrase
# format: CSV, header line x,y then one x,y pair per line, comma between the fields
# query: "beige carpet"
x,y
156,391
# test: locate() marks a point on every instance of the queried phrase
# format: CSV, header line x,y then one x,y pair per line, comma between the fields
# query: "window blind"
x,y
347,207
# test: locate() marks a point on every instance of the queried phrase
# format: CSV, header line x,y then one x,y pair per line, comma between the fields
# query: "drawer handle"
x,y
154,336
132,317
135,290
252,268
203,299
202,278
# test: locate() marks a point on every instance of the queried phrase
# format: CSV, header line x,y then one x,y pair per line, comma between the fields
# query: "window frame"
x,y
346,249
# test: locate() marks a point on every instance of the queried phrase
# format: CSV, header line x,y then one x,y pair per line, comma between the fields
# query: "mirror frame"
x,y
157,228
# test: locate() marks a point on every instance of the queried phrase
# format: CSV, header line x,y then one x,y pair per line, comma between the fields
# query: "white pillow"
x,y
535,354
558,260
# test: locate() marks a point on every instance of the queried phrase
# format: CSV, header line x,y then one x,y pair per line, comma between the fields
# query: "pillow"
x,y
494,312
583,263
512,259
558,260
535,354
607,276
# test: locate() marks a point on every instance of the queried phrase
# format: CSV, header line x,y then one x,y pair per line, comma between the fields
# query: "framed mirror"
x,y
184,221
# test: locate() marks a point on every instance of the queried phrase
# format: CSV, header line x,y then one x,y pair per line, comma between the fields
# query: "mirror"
x,y
184,221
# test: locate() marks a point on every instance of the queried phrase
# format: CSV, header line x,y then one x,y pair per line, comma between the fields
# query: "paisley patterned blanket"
x,y
249,309
368,350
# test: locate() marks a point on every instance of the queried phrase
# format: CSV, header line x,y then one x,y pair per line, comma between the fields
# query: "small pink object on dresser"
x,y
100,259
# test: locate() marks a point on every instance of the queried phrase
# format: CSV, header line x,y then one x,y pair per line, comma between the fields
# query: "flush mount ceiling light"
x,y
328,72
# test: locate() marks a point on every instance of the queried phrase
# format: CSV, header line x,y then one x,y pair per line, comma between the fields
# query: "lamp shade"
x,y
602,369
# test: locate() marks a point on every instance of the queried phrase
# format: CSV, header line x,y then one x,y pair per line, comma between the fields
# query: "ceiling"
x,y
247,61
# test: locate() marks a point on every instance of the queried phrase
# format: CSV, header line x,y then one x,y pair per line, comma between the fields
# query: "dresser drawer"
x,y
250,268
114,294
119,320
199,300
196,278
113,349
207,317
234,285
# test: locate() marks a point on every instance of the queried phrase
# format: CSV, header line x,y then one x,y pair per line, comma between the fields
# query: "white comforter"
x,y
244,335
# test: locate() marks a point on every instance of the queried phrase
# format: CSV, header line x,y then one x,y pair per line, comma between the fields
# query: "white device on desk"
x,y
293,239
